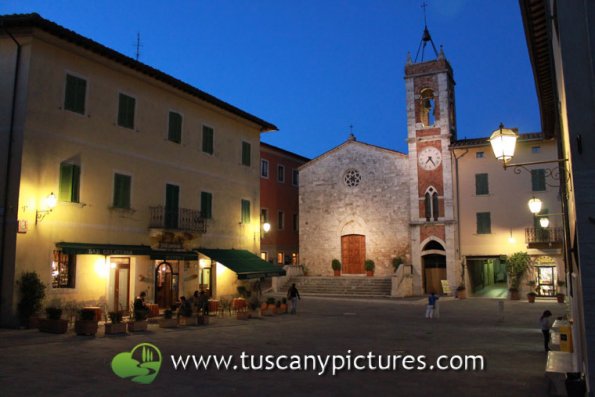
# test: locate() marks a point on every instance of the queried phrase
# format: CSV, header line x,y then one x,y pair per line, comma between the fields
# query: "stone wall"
x,y
376,208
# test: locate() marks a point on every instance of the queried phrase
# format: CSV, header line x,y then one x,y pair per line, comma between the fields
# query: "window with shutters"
x,y
75,94
245,211
295,177
264,168
280,220
484,223
69,183
126,105
246,158
206,205
538,180
481,184
207,139
174,133
122,184
280,173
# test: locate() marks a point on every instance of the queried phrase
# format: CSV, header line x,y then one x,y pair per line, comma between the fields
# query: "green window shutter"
x,y
481,184
428,206
175,127
74,96
245,211
435,206
122,191
206,203
246,154
69,183
484,223
207,139
538,180
126,111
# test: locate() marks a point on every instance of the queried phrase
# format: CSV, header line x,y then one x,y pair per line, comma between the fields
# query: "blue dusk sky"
x,y
315,67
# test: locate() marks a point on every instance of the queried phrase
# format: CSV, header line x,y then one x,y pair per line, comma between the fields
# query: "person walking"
x,y
545,329
432,300
293,295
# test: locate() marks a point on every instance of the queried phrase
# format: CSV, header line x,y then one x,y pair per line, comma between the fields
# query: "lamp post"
x,y
49,203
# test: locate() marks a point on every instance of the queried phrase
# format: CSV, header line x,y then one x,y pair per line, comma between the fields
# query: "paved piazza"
x,y
37,364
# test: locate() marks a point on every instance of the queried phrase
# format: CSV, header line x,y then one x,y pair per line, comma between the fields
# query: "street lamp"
x,y
266,227
544,222
48,203
535,205
503,141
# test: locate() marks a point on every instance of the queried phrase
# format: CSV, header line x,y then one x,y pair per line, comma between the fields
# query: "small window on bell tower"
x,y
428,107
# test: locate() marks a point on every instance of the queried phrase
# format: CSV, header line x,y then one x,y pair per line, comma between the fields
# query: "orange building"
x,y
279,205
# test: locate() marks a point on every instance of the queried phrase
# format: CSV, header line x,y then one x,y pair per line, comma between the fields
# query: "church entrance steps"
x,y
342,286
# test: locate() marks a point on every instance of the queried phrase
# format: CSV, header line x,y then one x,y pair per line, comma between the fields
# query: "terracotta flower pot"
x,y
370,273
337,273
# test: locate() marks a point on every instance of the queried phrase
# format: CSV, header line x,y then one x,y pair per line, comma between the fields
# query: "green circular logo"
x,y
140,365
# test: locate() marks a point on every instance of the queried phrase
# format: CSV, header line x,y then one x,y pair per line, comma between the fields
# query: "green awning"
x,y
244,263
123,249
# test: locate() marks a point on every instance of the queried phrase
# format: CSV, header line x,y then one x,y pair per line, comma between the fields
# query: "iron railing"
x,y
552,235
182,219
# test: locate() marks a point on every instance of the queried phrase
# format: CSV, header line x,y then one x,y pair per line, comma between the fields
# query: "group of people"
x,y
197,303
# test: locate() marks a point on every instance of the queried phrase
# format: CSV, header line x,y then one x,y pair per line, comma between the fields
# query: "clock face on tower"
x,y
429,158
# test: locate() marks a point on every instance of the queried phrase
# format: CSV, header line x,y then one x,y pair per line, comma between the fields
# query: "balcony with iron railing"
x,y
544,237
177,219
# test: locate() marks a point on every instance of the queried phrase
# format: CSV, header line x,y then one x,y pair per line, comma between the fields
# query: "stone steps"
x,y
342,286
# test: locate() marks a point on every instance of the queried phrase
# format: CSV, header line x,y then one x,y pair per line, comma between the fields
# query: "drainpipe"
x,y
5,204
458,209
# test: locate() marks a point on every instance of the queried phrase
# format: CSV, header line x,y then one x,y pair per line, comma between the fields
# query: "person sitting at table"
x,y
203,303
141,311
194,301
185,309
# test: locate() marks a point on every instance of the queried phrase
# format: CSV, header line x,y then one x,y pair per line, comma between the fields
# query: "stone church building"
x,y
360,201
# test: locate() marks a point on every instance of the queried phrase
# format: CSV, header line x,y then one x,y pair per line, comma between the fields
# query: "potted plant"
x,y
53,323
336,265
138,322
86,324
270,307
32,292
116,326
532,294
283,307
397,261
516,267
168,321
560,296
461,292
369,266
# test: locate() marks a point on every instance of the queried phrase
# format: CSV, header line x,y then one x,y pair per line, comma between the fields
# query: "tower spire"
x,y
425,38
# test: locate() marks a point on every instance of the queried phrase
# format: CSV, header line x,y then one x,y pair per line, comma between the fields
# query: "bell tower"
x,y
431,127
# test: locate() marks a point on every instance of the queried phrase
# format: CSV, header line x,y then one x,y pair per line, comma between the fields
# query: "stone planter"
x,y
85,327
168,323
242,315
137,326
193,320
115,328
53,326
202,320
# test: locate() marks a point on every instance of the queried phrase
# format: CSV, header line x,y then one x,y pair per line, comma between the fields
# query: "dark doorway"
x,y
353,253
434,270
166,285
488,277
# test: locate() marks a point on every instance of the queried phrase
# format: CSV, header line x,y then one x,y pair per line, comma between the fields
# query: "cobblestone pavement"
x,y
38,364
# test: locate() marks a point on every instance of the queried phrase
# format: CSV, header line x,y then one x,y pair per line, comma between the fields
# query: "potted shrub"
x,y
168,321
397,261
516,267
283,307
560,296
369,266
116,326
270,307
32,292
336,265
532,294
53,323
461,291
138,322
86,324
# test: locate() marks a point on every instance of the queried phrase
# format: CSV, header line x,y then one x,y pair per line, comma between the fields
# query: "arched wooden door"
x,y
353,253
166,285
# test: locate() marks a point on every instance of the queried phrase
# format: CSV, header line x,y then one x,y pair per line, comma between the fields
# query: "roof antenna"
x,y
138,45
425,38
